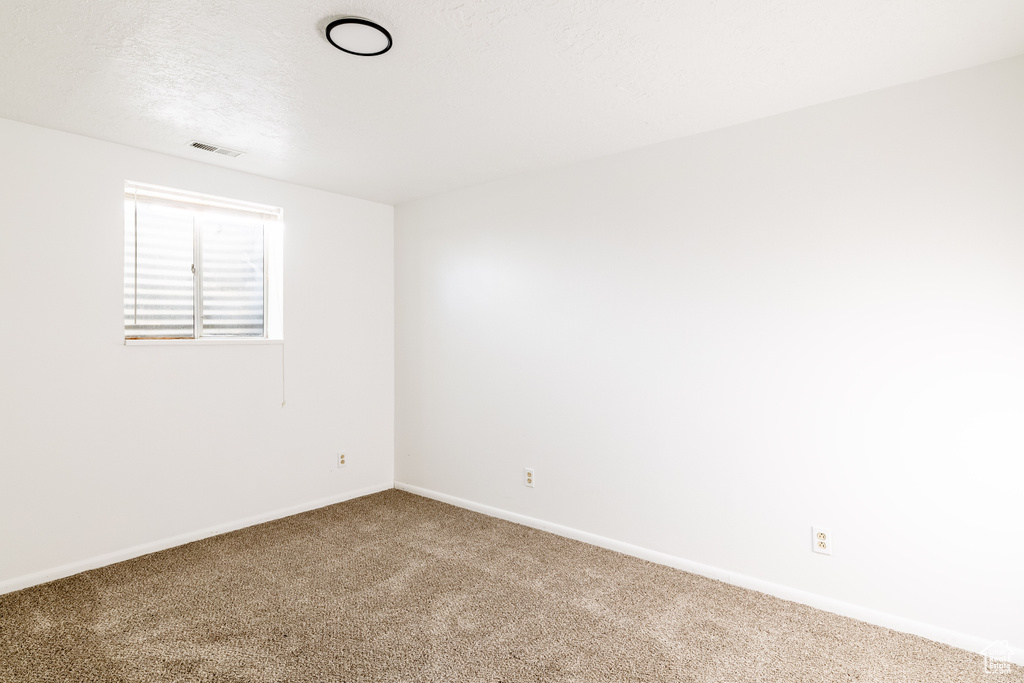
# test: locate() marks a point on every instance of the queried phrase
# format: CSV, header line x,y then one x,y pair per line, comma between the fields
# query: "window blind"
x,y
159,298
232,277
194,267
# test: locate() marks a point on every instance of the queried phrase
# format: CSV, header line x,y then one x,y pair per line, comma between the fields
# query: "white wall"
x,y
706,346
106,448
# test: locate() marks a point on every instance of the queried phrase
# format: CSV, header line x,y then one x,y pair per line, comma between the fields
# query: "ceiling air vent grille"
x,y
207,147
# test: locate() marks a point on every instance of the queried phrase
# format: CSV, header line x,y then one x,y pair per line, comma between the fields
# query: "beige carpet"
x,y
394,587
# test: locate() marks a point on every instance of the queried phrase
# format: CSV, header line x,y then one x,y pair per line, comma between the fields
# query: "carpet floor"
x,y
395,587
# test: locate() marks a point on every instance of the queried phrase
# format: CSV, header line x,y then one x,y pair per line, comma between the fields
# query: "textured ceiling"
x,y
473,90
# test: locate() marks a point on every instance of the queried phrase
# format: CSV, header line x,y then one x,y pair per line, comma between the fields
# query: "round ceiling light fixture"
x,y
358,36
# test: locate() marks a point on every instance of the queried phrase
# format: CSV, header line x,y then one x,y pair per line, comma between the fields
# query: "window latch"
x,y
193,269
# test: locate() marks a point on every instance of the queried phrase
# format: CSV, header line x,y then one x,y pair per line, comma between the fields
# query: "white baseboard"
x,y
846,609
72,568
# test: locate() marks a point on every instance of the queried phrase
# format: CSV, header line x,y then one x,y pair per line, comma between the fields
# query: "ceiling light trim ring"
x,y
362,22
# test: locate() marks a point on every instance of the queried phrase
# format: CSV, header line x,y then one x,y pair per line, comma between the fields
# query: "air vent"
x,y
207,147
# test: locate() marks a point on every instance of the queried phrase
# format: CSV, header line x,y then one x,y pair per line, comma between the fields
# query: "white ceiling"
x,y
473,90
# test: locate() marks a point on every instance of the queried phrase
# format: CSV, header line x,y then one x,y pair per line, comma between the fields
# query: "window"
x,y
200,267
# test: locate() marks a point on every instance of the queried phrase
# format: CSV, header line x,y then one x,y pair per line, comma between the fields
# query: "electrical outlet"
x,y
341,460
821,541
528,477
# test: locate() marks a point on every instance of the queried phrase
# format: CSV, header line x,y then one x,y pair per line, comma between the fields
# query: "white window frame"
x,y
273,265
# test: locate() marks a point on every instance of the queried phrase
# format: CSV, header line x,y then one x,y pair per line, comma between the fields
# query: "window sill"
x,y
202,342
